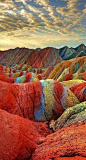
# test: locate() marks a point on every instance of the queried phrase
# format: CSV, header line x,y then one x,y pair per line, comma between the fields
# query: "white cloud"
x,y
71,10
72,15
23,1
30,17
42,2
40,26
84,10
33,9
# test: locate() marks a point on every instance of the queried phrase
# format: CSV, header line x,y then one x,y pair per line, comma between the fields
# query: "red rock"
x,y
58,90
28,77
84,76
20,99
69,158
19,137
6,79
80,91
39,71
39,76
1,68
68,77
4,69
66,142
14,70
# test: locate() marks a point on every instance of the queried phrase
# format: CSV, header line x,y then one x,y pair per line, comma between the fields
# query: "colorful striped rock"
x,y
76,64
73,66
74,115
19,66
39,101
28,77
47,72
72,83
68,77
18,74
82,68
62,76
44,58
80,91
58,69
80,76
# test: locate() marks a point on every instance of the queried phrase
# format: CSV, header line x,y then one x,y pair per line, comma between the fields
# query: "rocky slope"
x,y
35,58
43,110
40,57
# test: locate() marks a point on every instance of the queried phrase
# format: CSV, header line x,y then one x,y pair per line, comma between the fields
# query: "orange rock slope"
x,y
19,137
42,110
67,142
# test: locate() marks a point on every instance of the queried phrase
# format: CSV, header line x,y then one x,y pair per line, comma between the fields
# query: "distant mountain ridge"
x,y
40,57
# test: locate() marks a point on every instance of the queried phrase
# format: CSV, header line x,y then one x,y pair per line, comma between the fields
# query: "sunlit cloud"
x,y
33,9
42,2
23,1
40,23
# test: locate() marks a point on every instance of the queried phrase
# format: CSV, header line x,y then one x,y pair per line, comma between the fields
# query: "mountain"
x,y
35,58
80,48
40,58
68,53
14,56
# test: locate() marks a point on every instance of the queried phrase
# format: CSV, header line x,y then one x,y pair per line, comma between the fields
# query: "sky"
x,y
42,23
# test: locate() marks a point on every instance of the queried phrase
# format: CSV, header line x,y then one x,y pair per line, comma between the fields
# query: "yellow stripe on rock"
x,y
71,83
49,97
35,78
15,75
71,99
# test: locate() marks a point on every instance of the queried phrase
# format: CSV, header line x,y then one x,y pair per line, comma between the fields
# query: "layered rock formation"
x,y
40,96
74,115
40,101
35,58
40,57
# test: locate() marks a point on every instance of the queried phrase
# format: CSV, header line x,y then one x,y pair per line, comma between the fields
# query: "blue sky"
x,y
42,23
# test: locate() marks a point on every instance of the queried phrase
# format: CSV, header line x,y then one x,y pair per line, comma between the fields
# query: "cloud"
x,y
84,10
71,11
72,15
72,4
44,17
35,40
23,1
13,19
30,18
42,2
7,4
40,22
33,9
